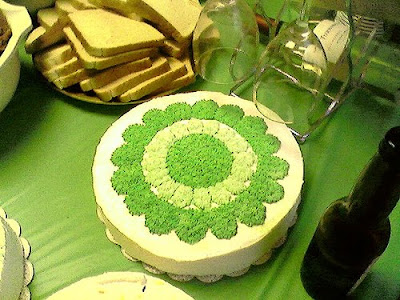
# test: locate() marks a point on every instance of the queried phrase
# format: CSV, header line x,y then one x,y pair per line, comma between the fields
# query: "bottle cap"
x,y
389,147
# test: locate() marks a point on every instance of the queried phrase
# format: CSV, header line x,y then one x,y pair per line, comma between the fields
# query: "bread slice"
x,y
184,80
65,6
123,84
173,48
122,7
99,63
111,74
52,56
47,17
82,4
177,69
71,79
119,5
104,33
63,69
41,38
166,19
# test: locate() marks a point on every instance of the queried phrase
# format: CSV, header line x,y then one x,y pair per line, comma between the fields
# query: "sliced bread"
x,y
63,69
47,17
95,62
111,74
184,80
177,69
65,6
41,38
104,33
52,56
82,4
173,48
71,79
122,7
124,83
164,15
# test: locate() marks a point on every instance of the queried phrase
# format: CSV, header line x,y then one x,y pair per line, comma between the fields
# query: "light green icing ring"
x,y
170,199
233,169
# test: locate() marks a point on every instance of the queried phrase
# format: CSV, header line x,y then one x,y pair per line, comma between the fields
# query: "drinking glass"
x,y
225,42
292,76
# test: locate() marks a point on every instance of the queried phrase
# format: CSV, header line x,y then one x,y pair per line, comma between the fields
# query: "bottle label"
x,y
333,36
362,277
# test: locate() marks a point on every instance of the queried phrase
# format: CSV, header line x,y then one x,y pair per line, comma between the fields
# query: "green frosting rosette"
x,y
198,168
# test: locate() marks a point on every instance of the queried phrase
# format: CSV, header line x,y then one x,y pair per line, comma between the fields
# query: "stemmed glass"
x,y
225,42
292,76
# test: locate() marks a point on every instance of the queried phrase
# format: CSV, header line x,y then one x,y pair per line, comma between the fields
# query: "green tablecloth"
x,y
47,144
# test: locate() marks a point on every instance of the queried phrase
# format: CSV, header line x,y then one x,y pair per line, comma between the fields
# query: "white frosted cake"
x,y
120,285
15,271
197,185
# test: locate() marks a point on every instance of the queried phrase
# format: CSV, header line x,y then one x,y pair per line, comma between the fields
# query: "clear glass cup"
x,y
225,42
291,78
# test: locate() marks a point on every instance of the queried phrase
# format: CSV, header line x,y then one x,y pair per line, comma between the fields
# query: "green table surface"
x,y
47,145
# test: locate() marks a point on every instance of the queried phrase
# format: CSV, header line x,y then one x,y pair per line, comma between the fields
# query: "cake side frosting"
x,y
230,250
120,285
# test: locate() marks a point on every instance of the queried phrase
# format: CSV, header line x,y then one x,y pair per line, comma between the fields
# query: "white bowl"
x,y
20,23
33,5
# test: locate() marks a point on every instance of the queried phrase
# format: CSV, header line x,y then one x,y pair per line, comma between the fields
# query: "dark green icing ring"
x,y
207,158
191,224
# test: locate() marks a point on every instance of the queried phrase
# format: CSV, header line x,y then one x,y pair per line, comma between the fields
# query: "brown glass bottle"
x,y
355,230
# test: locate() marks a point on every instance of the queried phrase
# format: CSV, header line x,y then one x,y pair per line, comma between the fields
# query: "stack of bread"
x,y
116,50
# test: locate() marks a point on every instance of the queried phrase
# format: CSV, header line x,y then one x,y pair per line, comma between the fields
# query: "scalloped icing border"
x,y
28,266
205,278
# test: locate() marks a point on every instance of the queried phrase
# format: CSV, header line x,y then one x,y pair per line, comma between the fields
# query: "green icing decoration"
x,y
194,169
138,134
207,158
179,129
195,126
229,114
120,157
251,125
179,111
266,144
125,179
193,226
157,119
202,198
273,167
211,127
183,196
204,109
254,214
167,189
224,224
219,194
159,220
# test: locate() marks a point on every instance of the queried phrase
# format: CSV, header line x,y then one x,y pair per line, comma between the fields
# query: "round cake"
x,y
120,285
197,184
15,271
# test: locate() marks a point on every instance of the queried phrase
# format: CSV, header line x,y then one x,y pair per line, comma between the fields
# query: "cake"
x,y
5,32
197,185
120,285
15,271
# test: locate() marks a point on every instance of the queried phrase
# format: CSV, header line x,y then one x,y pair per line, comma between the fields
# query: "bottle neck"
x,y
376,193
304,13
